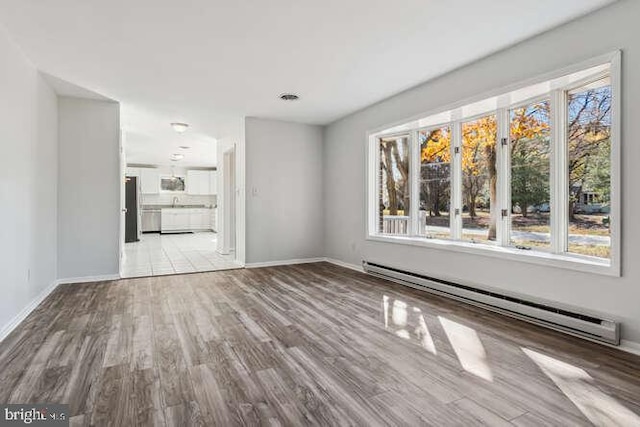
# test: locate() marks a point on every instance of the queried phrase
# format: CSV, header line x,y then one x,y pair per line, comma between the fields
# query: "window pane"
x,y
589,131
435,183
394,185
479,176
530,169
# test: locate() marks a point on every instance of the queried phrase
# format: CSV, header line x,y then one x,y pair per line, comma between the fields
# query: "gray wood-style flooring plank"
x,y
308,344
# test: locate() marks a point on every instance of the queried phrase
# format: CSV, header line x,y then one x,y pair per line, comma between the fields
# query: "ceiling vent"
x,y
289,97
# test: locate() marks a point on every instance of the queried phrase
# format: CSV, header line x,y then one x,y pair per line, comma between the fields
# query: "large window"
x,y
528,172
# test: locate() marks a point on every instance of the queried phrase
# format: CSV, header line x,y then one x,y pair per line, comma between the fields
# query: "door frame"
x,y
235,142
123,203
229,202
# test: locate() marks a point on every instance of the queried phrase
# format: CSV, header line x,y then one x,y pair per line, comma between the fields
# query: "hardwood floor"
x,y
310,344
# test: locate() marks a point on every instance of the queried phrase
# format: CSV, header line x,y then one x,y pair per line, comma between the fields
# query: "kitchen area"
x,y
175,200
170,219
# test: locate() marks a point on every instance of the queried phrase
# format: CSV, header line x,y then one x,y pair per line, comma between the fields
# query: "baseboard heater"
x,y
584,326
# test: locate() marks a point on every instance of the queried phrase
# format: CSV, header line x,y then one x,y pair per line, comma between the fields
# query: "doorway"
x,y
170,208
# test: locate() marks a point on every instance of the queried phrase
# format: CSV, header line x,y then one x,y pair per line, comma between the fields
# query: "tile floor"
x,y
159,254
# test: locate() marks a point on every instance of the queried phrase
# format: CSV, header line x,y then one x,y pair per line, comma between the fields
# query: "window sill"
x,y
579,263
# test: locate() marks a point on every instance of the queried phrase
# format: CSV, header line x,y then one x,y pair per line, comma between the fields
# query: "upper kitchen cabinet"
x,y
201,182
132,171
194,182
149,181
213,182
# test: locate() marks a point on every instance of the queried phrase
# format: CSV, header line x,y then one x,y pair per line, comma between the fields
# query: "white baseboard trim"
x,y
304,261
88,279
630,346
345,264
18,318
283,262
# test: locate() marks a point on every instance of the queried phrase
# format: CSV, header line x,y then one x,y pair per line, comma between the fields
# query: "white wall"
x,y
28,140
88,188
44,182
344,169
284,190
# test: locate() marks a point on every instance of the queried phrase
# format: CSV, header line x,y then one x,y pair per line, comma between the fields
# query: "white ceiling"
x,y
208,62
150,140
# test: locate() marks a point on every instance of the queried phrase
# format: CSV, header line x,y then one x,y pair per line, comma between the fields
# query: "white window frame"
x,y
557,257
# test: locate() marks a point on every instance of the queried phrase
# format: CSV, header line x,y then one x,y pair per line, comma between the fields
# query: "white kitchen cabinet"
x,y
149,181
201,182
132,171
180,220
200,219
195,182
175,220
212,219
213,182
191,182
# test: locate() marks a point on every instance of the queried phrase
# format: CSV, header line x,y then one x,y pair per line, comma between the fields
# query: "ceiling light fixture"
x,y
289,97
179,127
175,157
184,147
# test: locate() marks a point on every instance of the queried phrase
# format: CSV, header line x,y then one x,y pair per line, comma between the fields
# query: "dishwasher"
x,y
151,221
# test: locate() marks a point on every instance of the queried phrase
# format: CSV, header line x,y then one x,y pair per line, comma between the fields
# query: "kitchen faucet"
x,y
175,200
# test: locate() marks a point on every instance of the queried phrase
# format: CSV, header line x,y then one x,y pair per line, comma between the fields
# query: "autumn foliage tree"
x,y
530,165
589,152
478,158
478,164
435,171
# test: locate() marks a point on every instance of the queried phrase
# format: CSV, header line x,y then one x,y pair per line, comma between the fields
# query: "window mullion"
x,y
414,183
504,179
559,174
455,215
